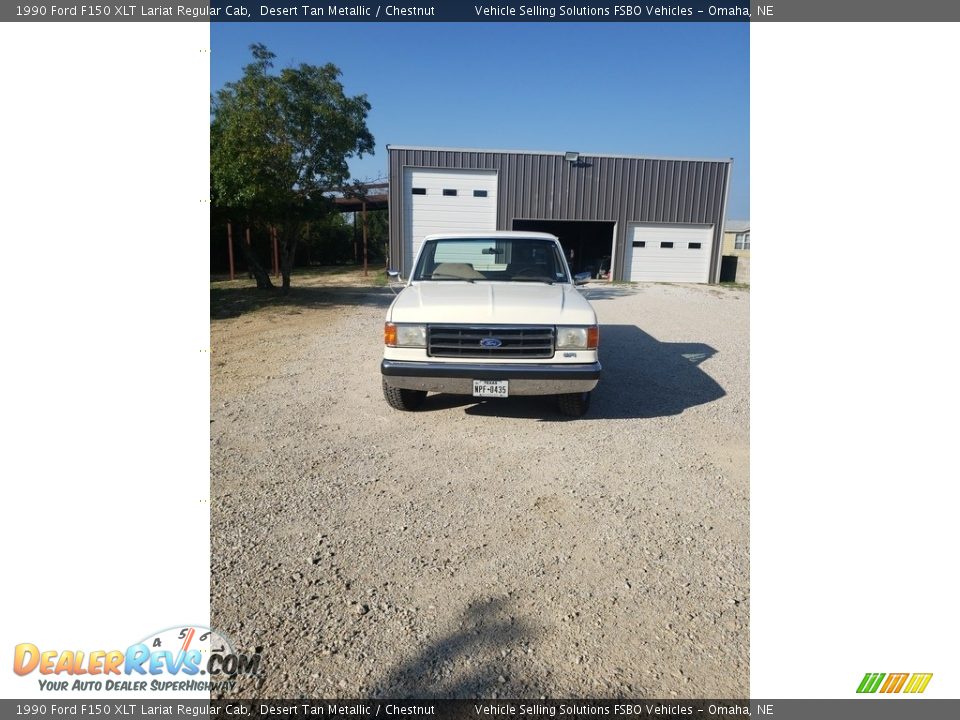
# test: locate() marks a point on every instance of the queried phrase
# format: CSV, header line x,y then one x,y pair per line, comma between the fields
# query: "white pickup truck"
x,y
491,315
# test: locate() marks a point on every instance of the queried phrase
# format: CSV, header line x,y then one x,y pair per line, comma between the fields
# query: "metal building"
x,y
649,218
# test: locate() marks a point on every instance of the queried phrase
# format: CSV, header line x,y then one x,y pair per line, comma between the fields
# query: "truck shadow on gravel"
x,y
480,659
233,302
642,378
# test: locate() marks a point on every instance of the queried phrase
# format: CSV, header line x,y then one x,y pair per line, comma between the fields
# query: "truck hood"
x,y
501,303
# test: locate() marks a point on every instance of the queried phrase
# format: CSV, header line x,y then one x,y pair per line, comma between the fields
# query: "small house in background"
x,y
735,266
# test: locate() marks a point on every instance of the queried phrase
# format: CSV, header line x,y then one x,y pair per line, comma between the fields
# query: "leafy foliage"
x,y
278,142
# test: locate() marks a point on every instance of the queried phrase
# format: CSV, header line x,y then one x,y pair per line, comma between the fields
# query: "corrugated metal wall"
x,y
539,186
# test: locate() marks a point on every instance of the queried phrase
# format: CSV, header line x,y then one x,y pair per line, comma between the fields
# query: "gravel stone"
x,y
510,524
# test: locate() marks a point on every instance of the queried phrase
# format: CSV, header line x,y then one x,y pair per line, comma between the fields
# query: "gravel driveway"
x,y
491,549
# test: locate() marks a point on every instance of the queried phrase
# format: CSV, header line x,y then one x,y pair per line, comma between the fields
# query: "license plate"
x,y
490,388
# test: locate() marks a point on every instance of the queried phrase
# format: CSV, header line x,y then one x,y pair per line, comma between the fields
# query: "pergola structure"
x,y
360,199
365,197
356,198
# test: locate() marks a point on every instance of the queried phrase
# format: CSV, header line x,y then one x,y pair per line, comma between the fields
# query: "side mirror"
x,y
581,278
393,281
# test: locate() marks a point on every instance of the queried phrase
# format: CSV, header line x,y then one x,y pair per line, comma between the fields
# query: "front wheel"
x,y
574,404
401,399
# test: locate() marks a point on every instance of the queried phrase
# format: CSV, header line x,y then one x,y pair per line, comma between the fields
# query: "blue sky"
x,y
660,89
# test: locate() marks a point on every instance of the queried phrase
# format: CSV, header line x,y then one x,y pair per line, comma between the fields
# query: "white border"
x,y
105,186
854,487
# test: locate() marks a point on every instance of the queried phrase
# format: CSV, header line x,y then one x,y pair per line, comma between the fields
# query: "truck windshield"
x,y
487,259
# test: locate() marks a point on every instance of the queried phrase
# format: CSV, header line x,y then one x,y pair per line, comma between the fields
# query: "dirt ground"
x,y
481,549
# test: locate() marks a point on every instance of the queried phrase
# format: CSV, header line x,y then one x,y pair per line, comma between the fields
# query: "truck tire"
x,y
400,399
574,404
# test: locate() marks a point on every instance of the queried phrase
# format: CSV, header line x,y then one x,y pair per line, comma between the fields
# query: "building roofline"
x,y
554,152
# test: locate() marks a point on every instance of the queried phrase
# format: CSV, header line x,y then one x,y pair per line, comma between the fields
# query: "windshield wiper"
x,y
548,281
451,278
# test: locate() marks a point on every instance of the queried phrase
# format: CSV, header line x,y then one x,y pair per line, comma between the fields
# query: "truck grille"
x,y
481,341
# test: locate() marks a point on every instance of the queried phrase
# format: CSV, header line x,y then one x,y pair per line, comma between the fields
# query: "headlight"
x,y
404,335
578,338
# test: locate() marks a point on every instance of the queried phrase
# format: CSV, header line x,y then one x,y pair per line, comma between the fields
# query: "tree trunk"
x,y
263,278
309,241
288,252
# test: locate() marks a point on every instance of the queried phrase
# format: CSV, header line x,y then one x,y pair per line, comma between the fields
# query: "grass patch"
x,y
310,287
324,270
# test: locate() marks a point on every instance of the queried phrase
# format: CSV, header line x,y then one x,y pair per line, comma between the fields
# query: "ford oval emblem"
x,y
490,342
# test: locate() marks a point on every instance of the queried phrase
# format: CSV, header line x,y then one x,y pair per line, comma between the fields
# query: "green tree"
x,y
278,142
378,228
330,240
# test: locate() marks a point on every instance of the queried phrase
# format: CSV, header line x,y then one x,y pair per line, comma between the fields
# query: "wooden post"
x,y
276,252
356,248
364,238
230,248
309,253
249,269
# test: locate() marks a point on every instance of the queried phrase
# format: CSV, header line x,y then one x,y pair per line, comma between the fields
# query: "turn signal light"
x,y
390,335
593,337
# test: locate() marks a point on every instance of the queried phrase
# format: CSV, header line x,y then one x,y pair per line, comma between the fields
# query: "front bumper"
x,y
457,378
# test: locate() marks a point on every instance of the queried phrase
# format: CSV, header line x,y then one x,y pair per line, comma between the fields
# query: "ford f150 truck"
x,y
491,315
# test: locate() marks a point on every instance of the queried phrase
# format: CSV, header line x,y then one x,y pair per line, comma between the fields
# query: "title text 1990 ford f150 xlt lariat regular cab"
x,y
491,315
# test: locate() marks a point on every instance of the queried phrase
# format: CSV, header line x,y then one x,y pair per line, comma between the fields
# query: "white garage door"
x,y
669,253
436,201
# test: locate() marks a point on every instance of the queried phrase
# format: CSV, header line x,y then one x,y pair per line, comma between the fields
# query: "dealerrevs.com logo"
x,y
182,659
894,682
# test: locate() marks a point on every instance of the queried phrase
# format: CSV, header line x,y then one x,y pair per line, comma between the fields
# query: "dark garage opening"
x,y
728,268
586,243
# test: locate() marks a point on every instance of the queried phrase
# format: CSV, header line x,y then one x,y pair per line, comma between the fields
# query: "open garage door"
x,y
588,244
669,253
446,201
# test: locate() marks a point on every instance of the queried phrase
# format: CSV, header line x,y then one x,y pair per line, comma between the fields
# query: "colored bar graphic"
x,y
903,679
870,682
894,682
915,683
918,682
